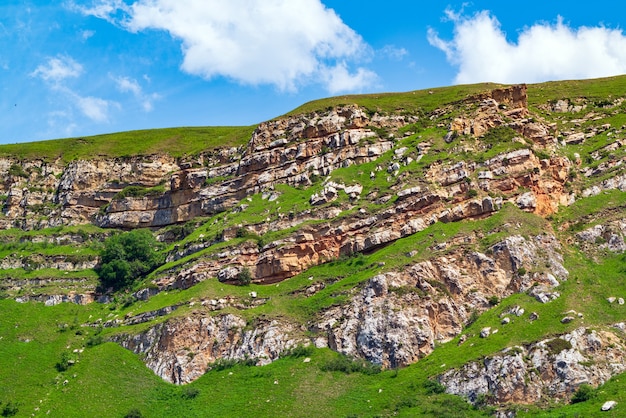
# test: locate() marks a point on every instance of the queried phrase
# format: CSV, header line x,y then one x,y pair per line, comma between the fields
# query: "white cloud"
x,y
55,72
61,121
286,43
86,34
128,85
103,9
339,79
58,68
482,52
94,108
394,52
125,84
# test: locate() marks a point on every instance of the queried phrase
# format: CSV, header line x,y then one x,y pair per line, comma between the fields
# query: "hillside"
x,y
456,251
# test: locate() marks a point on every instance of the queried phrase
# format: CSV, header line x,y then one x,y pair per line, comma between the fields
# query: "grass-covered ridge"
x,y
183,141
418,101
176,142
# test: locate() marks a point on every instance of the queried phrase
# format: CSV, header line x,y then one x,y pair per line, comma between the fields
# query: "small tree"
x,y
245,276
65,362
434,387
128,256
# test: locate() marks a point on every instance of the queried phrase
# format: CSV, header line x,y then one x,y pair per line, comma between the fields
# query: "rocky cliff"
x,y
431,217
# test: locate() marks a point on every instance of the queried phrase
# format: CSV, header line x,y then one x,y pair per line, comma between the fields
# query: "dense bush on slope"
x,y
128,256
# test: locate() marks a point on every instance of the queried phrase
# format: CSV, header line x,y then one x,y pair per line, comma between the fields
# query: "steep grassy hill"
x,y
456,251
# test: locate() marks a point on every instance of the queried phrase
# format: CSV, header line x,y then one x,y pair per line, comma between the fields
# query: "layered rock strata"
x,y
394,320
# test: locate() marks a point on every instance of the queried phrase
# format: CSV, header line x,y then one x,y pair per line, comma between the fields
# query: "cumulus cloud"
x,y
129,85
286,43
58,68
339,78
481,51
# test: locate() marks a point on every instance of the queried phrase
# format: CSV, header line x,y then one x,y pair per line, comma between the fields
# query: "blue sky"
x,y
83,67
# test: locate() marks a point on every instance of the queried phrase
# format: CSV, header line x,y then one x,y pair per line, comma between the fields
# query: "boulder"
x,y
227,274
608,405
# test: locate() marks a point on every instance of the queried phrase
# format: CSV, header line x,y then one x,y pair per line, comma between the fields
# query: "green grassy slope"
x,y
174,141
107,380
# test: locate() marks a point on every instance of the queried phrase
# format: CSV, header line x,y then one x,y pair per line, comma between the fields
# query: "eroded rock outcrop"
x,y
608,236
180,349
550,369
414,210
398,317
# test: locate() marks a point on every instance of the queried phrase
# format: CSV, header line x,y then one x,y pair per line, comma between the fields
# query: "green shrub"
x,y
94,340
181,231
10,409
189,392
557,345
64,363
474,315
408,402
128,256
127,300
139,191
300,351
17,170
433,387
133,413
584,393
482,402
224,364
349,365
499,134
244,233
542,155
472,193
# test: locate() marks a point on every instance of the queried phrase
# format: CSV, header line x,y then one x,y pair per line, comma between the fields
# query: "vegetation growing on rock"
x,y
375,237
